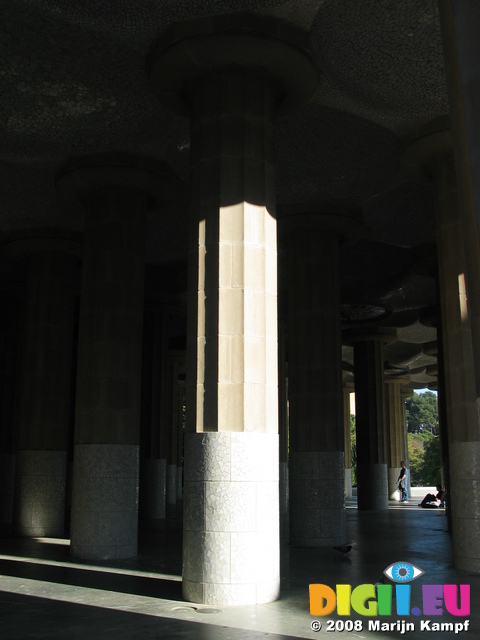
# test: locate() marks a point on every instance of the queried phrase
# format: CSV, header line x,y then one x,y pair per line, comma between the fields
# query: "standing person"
x,y
402,482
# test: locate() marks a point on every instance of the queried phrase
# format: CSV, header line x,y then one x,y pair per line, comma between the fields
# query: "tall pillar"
x,y
459,22
116,191
372,478
43,401
317,466
431,151
283,421
232,86
153,462
395,426
348,389
10,322
174,478
180,430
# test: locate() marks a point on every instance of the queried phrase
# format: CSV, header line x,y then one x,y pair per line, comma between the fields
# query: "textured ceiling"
x,y
73,82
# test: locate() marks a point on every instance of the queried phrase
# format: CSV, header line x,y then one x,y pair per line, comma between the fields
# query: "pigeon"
x,y
344,548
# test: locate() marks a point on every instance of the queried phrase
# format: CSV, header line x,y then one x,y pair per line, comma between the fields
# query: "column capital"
x,y
82,176
25,243
385,335
345,222
423,146
401,381
261,45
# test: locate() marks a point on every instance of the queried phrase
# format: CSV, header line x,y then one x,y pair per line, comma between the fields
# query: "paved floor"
x,y
45,594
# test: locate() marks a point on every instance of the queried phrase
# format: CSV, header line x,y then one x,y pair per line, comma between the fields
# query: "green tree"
x,y
422,412
424,458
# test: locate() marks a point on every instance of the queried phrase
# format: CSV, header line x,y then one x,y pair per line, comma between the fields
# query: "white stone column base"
x,y
7,484
105,501
348,483
231,522
153,484
372,487
171,484
179,484
40,484
317,498
464,497
393,492
283,488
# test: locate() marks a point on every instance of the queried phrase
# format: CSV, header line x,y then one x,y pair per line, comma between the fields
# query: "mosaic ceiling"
x,y
73,82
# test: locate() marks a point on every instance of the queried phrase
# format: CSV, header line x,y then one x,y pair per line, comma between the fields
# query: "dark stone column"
x,y
117,192
11,317
43,409
372,482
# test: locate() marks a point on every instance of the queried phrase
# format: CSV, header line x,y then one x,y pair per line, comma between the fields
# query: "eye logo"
x,y
403,572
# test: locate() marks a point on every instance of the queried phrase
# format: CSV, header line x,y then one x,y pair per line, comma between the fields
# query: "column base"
x,y
153,482
393,492
40,486
372,487
464,496
231,526
7,485
105,501
171,484
317,505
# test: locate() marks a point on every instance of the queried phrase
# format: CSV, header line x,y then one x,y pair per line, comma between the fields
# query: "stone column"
x,y
173,484
372,479
180,429
153,462
348,388
11,315
283,421
431,152
232,74
396,437
116,191
317,466
459,22
43,405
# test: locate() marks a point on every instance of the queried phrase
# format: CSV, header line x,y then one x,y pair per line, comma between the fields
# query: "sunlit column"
x,y
232,87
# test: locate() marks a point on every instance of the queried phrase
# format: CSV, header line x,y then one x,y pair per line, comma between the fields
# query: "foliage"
x,y
424,459
423,441
353,449
422,412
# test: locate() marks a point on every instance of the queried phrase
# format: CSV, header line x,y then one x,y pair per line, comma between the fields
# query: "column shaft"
x,y
317,469
231,533
395,428
44,395
10,322
461,413
106,460
372,481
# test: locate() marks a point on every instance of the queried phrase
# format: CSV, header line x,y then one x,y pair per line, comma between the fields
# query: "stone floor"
x,y
45,594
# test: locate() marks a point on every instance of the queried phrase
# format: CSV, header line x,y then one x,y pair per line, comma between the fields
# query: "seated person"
x,y
431,501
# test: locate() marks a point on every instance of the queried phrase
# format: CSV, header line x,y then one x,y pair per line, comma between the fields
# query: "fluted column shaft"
x,y
107,421
317,476
396,437
10,322
459,366
371,438
44,395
